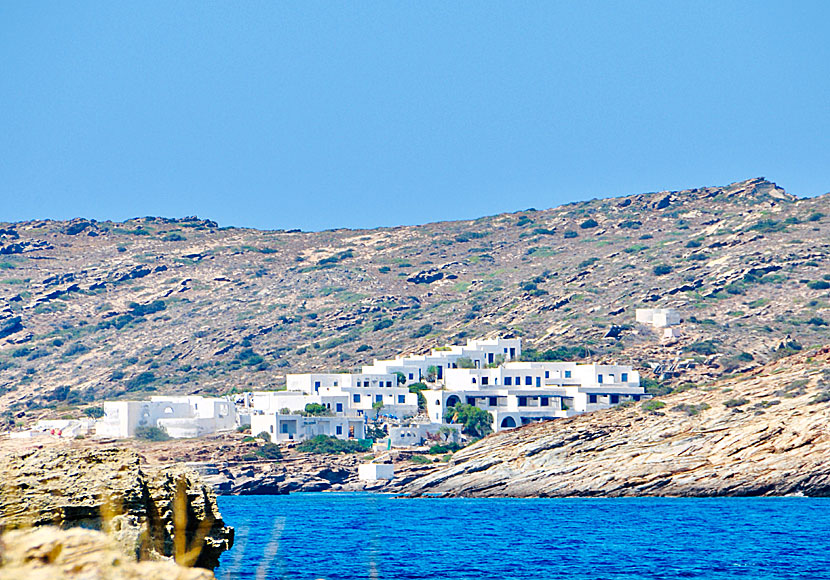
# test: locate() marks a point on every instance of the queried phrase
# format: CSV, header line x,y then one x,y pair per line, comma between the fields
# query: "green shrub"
x,y
817,321
174,237
768,226
444,448
690,410
380,325
570,234
323,444
477,422
420,459
818,284
140,382
653,405
662,270
269,451
815,216
94,412
316,409
422,330
588,224
243,428
735,403
693,244
151,433
588,262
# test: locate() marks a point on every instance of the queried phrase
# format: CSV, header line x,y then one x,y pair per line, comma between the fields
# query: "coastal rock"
x,y
107,489
49,553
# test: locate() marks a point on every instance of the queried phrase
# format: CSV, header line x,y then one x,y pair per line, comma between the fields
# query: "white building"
x,y
356,394
187,416
480,353
518,393
415,434
658,317
295,427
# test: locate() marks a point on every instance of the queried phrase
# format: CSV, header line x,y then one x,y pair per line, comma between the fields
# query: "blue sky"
x,y
319,115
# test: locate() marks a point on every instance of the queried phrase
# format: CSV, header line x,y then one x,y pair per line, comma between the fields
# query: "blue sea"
x,y
343,536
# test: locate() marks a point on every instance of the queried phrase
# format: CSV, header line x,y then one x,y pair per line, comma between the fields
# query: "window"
x,y
547,374
592,398
529,381
624,377
615,399
543,402
485,380
356,398
474,380
411,376
508,381
378,398
523,401
272,428
339,429
388,383
401,399
316,385
339,407
599,379
538,382
494,401
335,383
567,374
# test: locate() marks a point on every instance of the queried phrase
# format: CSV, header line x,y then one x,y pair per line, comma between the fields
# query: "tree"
x,y
317,410
401,378
265,436
417,388
477,422
432,372
94,412
151,433
465,363
377,406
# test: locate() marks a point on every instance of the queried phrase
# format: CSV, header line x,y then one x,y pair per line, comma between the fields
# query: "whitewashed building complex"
x,y
484,373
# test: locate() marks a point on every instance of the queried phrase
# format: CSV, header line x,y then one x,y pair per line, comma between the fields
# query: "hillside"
x,y
760,434
97,310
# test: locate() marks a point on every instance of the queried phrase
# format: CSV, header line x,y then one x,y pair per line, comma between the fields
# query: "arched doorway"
x,y
453,400
508,423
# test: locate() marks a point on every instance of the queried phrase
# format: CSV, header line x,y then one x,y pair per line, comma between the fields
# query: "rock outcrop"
x,y
765,433
49,553
152,513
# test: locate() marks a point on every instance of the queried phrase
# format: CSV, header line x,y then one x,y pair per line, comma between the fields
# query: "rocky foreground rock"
x,y
152,513
49,553
764,433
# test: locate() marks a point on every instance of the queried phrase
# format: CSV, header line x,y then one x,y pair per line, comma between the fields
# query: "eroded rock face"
x,y
108,490
49,553
765,433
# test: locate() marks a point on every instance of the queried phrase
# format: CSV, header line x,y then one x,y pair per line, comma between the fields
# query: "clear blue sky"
x,y
361,114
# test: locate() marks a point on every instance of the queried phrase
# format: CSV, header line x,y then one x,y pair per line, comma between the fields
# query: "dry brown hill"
x,y
95,310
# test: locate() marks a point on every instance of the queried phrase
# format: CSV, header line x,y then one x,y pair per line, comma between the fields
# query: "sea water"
x,y
360,535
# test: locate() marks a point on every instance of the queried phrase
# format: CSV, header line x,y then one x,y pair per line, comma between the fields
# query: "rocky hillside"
x,y
763,433
97,310
151,513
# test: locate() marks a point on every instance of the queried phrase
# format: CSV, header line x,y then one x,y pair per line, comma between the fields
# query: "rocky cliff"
x,y
763,433
49,553
152,513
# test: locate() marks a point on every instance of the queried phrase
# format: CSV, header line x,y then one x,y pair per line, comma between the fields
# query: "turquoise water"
x,y
342,536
